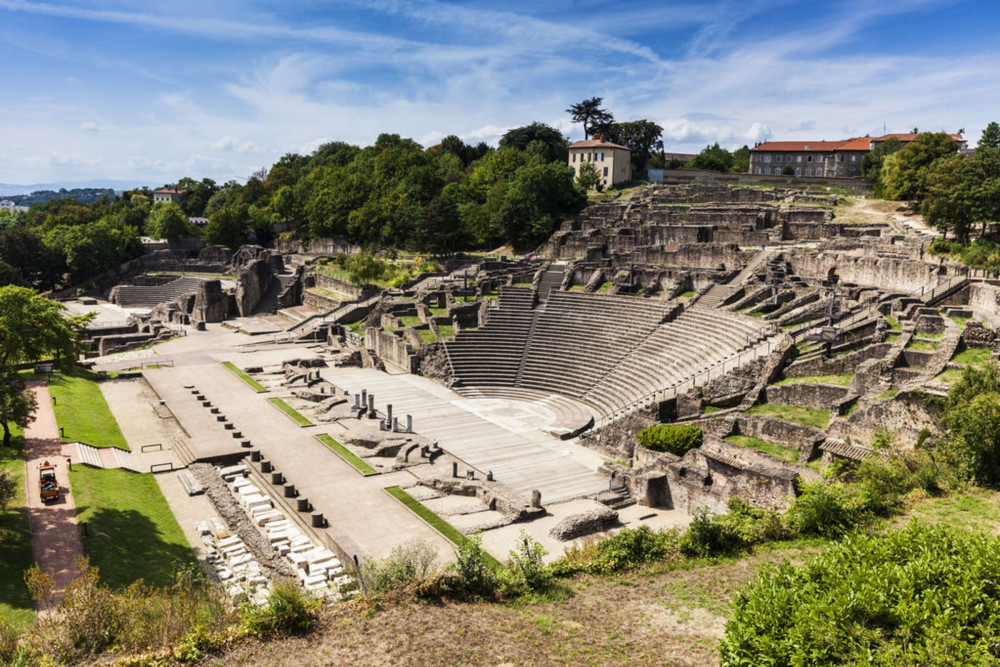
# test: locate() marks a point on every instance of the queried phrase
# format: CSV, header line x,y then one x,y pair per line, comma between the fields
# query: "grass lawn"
x,y
605,287
688,294
447,331
347,455
777,451
256,386
16,605
438,312
82,412
436,522
922,345
131,531
426,336
949,376
357,327
893,323
973,355
888,393
296,416
842,380
793,413
709,409
891,338
410,321
960,321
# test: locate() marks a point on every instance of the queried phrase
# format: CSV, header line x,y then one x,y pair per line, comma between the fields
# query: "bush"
x,y
917,596
826,509
738,530
525,572
405,564
475,578
670,438
9,637
630,548
289,610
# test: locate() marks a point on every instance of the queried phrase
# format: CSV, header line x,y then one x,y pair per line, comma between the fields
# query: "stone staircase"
x,y
550,280
616,498
104,457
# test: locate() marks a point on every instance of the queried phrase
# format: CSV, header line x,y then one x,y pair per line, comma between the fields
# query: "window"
x,y
798,158
605,171
601,158
756,170
853,158
809,172
574,157
798,171
767,158
840,158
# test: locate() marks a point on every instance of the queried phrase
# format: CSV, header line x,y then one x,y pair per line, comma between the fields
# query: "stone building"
x,y
167,196
824,159
613,162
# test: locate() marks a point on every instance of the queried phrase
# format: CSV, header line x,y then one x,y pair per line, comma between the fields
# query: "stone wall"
x,y
252,283
329,247
881,272
806,395
337,285
984,299
778,431
905,415
847,363
391,348
210,303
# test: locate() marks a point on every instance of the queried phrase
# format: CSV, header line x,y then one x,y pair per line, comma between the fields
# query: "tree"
x,y
227,226
641,137
947,203
713,158
556,146
26,251
990,137
901,171
741,160
594,118
588,178
365,268
873,160
167,221
439,228
33,327
17,406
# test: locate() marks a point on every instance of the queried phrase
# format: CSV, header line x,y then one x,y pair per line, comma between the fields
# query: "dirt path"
x,y
55,540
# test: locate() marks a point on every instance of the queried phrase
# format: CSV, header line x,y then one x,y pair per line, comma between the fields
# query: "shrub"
x,y
525,572
405,564
670,438
825,509
289,610
474,576
738,530
9,637
630,548
916,596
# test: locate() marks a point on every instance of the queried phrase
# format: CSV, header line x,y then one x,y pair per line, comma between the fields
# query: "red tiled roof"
x,y
855,144
818,146
167,191
596,143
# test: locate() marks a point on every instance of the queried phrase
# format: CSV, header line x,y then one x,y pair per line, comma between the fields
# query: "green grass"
x,y
949,376
893,323
357,327
347,455
578,288
605,287
447,331
777,451
933,336
922,345
296,416
16,605
436,522
131,532
793,413
688,294
438,312
82,412
256,386
426,336
888,393
709,409
842,380
973,355
410,321
960,321
891,338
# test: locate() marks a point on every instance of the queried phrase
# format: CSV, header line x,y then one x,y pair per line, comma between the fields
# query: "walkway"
x,y
55,539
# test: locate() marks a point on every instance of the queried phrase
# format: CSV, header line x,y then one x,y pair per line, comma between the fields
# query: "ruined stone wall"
x,y
847,363
778,431
391,348
337,285
984,299
806,395
252,283
210,303
902,275
905,415
329,247
692,256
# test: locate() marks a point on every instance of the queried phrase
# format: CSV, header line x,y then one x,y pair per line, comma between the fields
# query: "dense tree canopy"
x,y
990,137
643,137
902,170
595,120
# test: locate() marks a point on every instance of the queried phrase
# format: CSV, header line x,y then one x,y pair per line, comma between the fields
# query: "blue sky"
x,y
152,90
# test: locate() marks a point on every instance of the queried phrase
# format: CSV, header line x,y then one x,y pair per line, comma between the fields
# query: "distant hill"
x,y
7,189
84,195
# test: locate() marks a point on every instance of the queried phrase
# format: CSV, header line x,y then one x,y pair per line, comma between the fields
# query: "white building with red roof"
x,y
823,159
167,196
613,162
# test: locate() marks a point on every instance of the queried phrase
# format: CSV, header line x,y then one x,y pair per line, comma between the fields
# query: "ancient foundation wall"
x,y
904,415
984,299
391,348
887,273
819,396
